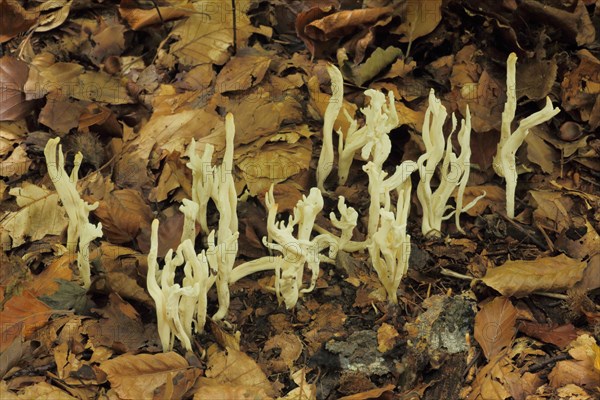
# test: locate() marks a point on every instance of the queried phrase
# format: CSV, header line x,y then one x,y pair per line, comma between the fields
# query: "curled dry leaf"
x,y
520,278
495,326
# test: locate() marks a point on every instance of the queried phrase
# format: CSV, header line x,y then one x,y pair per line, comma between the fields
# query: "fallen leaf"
x,y
123,213
419,19
520,278
68,296
40,215
495,326
120,327
139,18
13,104
387,336
14,20
205,36
552,209
379,60
304,391
242,72
142,376
560,336
41,391
583,370
16,165
342,23
235,368
21,316
289,349
371,394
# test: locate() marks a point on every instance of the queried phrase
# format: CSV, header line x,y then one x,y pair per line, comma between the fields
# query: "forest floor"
x,y
509,309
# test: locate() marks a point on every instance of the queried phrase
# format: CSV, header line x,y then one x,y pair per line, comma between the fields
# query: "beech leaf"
x,y
142,376
520,278
495,326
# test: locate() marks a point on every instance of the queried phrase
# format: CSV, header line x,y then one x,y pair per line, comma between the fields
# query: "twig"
x,y
524,231
550,360
234,27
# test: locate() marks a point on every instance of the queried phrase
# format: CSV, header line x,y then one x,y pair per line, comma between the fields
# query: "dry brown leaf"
x,y
60,114
40,215
370,394
540,152
237,369
123,213
552,209
44,284
221,391
560,336
474,86
39,391
205,36
344,22
304,391
290,349
495,199
495,326
13,104
500,379
419,19
138,18
46,76
520,278
15,19
242,72
16,165
21,316
120,327
583,370
387,336
143,376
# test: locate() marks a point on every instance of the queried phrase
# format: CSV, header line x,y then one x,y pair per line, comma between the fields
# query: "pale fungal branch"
x,y
325,163
373,138
80,232
504,161
389,248
178,307
454,171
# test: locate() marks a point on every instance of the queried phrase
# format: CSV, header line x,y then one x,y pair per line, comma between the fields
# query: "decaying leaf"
x,y
123,213
236,369
40,215
520,278
13,104
15,19
419,18
146,376
583,370
21,316
495,326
